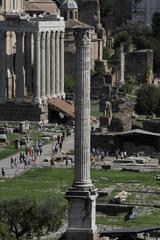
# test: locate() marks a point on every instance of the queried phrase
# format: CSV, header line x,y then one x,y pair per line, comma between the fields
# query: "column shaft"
x,y
37,65
48,80
43,67
57,73
2,66
20,82
62,65
28,63
82,107
122,63
53,64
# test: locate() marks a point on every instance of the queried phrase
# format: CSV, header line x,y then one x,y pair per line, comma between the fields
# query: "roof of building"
x,y
131,132
41,6
69,4
31,7
131,230
75,23
62,106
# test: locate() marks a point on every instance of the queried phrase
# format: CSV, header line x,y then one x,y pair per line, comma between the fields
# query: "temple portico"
x,y
45,58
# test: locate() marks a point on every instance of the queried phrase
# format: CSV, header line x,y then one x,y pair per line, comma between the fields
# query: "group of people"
x,y
120,154
98,154
29,156
26,158
57,146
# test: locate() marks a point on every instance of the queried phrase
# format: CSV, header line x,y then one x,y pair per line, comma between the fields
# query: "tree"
x,y
148,100
24,218
128,87
99,67
140,35
69,84
122,37
142,42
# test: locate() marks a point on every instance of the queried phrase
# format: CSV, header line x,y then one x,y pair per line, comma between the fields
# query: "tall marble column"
x,y
122,64
82,109
2,66
53,65
57,62
62,65
37,69
20,81
43,66
48,80
82,195
28,63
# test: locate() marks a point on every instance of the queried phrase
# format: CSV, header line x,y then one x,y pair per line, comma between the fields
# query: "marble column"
x,y
28,63
20,81
82,195
2,66
43,66
48,80
53,65
82,109
122,64
9,64
62,65
57,62
37,69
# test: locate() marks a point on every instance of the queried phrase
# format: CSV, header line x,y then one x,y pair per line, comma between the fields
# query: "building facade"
x,y
31,57
142,11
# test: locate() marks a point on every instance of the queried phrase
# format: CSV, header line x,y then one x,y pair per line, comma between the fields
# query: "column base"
x,y
74,234
54,96
37,101
63,95
19,100
81,213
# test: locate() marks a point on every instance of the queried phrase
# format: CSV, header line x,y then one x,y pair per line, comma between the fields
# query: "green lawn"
x,y
51,182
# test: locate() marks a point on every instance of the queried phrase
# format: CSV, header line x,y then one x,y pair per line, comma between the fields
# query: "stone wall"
x,y
89,12
70,51
21,112
137,63
101,85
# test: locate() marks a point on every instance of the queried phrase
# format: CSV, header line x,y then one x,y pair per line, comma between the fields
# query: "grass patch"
x,y
44,183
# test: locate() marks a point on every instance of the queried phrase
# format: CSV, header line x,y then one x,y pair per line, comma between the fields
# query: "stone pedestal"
x,y
81,214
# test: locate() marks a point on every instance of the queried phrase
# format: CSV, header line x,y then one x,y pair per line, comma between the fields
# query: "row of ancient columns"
x,y
47,63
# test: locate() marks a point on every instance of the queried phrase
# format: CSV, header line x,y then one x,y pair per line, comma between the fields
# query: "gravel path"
x,y
47,152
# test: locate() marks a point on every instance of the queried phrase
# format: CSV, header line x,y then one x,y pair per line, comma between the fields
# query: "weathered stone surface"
x,y
89,12
22,112
137,63
122,121
101,85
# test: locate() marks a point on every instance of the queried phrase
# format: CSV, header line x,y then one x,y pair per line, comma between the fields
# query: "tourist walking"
x,y
3,172
12,162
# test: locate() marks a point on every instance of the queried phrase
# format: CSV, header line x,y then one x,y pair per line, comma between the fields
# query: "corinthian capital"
x,y
37,36
82,36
